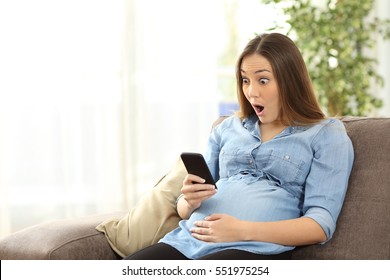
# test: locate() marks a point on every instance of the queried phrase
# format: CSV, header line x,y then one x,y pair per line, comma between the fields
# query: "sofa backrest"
x,y
363,227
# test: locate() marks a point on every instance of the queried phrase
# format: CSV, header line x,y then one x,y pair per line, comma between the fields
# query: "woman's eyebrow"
x,y
257,71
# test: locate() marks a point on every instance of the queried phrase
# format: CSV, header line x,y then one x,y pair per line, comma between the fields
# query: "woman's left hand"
x,y
218,228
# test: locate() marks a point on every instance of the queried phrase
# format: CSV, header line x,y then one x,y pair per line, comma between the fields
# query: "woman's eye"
x,y
245,81
263,81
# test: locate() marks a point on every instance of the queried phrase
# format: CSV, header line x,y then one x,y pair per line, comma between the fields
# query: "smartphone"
x,y
196,165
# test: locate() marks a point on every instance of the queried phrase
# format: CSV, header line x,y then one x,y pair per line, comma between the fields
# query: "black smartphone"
x,y
196,165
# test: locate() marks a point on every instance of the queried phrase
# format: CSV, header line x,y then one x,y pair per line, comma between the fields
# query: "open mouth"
x,y
258,108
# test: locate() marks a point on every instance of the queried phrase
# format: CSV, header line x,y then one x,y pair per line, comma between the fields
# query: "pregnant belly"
x,y
258,201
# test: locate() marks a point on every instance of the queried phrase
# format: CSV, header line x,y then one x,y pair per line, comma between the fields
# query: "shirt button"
x,y
286,157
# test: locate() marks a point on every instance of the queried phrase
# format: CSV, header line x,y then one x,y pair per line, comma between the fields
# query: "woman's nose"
x,y
252,92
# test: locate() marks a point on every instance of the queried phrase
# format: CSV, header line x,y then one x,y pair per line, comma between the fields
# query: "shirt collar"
x,y
251,124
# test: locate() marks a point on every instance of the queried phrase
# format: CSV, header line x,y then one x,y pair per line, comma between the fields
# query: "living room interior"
x,y
98,100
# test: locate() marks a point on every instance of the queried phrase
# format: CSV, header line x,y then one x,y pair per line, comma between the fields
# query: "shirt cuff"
x,y
324,219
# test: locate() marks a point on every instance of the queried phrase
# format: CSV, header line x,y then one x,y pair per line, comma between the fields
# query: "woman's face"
x,y
260,88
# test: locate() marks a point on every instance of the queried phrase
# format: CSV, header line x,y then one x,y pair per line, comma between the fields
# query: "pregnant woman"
x,y
281,168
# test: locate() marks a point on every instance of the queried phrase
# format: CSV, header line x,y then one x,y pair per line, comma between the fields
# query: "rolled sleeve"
x,y
324,219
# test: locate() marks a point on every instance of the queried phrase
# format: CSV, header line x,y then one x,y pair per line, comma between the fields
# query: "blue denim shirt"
x,y
303,171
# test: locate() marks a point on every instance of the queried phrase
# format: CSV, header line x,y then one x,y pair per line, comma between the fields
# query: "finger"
x,y
199,188
200,230
191,179
202,195
201,224
214,217
205,238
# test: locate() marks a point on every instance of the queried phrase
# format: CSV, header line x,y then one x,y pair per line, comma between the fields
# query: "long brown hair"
x,y
299,105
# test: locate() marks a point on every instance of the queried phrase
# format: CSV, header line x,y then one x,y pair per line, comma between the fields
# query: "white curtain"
x,y
60,110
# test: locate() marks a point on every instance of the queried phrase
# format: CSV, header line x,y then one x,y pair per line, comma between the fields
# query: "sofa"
x,y
363,227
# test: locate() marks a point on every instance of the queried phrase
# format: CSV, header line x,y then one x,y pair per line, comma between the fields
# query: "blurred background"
x,y
98,98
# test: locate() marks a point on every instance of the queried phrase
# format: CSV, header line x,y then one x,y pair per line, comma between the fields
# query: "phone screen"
x,y
196,165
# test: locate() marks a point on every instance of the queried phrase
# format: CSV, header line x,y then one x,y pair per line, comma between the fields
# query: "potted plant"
x,y
337,40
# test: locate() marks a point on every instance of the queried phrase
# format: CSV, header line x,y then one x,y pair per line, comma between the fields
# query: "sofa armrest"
x,y
67,239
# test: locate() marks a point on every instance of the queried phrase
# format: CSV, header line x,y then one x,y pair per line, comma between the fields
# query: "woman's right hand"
x,y
194,193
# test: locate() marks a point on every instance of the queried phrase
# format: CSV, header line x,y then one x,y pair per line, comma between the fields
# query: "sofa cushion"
x,y
363,227
153,216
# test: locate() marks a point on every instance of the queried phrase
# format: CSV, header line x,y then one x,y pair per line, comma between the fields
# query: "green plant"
x,y
337,40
